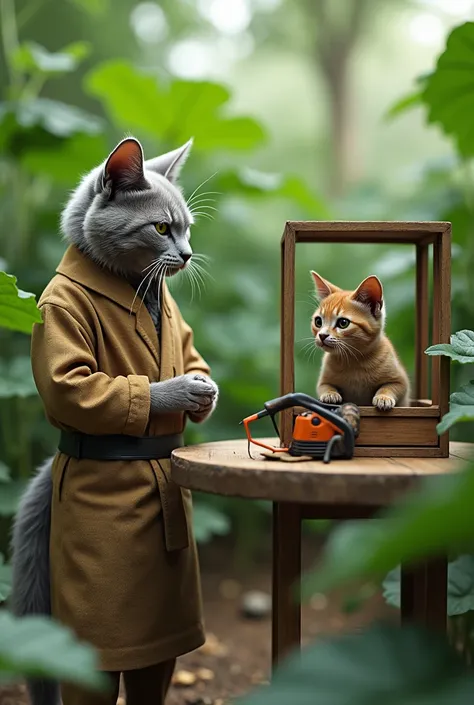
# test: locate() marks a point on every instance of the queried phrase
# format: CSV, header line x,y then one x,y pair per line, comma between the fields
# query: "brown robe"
x,y
124,569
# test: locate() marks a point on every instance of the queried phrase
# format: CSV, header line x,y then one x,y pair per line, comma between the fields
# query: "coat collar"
x,y
83,270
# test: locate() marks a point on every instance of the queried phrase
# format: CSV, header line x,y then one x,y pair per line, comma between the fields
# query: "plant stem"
x,y
9,32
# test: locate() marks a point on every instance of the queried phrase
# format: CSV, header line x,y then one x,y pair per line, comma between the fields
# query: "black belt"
x,y
118,447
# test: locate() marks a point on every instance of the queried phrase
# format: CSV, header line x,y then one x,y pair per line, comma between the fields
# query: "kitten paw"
x,y
331,398
383,402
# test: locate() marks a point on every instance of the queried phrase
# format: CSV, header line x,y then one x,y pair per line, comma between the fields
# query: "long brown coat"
x,y
124,571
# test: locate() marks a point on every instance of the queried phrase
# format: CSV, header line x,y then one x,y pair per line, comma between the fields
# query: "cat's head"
x,y
128,214
348,322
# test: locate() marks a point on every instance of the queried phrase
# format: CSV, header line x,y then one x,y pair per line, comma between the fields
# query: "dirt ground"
x,y
236,656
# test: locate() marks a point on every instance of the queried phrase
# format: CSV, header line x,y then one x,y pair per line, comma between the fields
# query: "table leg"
x,y
286,617
424,594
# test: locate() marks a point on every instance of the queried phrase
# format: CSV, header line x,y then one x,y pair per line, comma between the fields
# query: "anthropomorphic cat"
x,y
103,538
360,364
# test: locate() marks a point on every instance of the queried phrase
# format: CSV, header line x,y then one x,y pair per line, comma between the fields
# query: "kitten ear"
x,y
323,287
124,167
170,164
370,293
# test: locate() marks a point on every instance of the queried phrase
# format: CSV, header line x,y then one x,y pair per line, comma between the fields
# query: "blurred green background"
x,y
290,103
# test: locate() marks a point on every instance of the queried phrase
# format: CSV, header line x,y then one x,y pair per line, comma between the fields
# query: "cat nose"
x,y
323,336
185,257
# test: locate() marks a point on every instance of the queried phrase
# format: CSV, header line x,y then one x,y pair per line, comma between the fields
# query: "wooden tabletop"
x,y
224,468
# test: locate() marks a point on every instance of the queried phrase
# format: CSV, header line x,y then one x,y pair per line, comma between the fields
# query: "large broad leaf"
x,y
461,408
59,119
460,586
253,183
5,474
39,648
460,348
18,309
175,111
5,579
432,521
449,92
33,58
16,378
383,665
208,522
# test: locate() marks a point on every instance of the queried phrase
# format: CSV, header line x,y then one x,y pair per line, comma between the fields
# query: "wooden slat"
x,y
286,622
397,431
424,411
461,450
287,328
369,231
442,325
421,322
362,237
398,452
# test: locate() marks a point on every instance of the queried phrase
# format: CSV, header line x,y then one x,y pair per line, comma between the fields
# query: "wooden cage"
x,y
403,431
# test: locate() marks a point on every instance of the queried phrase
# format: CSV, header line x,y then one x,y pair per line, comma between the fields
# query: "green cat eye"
x,y
318,321
342,323
162,228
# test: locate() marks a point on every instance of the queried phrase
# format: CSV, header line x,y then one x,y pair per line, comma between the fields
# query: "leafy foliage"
x,y
461,408
449,92
37,647
209,522
18,310
460,348
431,521
384,664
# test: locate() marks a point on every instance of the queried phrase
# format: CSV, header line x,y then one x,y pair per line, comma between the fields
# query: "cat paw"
x,y
331,398
383,402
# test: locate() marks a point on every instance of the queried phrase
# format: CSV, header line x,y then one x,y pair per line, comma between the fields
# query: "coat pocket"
x,y
174,515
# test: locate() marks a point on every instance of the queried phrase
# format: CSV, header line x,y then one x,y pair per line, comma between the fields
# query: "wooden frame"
x,y
404,431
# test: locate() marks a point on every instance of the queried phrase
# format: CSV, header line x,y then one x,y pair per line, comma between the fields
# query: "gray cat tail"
x,y
30,563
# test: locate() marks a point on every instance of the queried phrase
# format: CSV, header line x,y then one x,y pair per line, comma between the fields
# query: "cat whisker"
x,y
200,185
203,215
198,256
137,292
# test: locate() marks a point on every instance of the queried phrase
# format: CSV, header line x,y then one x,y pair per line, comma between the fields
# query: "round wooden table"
x,y
343,489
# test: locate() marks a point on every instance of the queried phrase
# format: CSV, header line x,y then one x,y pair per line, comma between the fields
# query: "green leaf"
x,y
460,348
38,647
18,309
209,522
10,495
408,102
59,119
461,408
385,664
16,378
449,92
258,184
431,521
5,579
33,57
460,586
171,112
92,7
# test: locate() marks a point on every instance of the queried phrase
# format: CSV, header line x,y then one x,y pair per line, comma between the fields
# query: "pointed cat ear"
x,y
170,164
124,167
370,292
323,287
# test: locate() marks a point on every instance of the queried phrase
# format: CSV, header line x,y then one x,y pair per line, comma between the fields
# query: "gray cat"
x,y
108,217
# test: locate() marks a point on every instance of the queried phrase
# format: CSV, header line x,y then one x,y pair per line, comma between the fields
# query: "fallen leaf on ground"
x,y
184,678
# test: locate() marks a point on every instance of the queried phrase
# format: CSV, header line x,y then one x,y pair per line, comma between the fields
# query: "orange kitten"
x,y
360,364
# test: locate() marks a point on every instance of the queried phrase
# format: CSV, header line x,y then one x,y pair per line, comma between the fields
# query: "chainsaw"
x,y
321,432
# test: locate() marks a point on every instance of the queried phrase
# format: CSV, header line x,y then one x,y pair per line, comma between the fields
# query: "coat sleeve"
x,y
193,362
74,393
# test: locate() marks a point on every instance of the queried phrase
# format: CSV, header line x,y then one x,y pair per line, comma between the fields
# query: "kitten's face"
x,y
347,322
129,215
